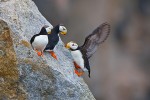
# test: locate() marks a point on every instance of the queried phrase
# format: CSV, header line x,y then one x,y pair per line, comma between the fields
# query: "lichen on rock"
x,y
8,65
24,75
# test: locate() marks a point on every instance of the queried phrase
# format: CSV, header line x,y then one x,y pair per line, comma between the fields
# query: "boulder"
x,y
23,74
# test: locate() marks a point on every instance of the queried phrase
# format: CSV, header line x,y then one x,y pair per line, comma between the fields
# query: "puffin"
x,y
39,41
53,38
82,54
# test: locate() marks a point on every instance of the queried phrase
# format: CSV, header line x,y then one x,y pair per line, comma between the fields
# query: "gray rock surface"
x,y
24,75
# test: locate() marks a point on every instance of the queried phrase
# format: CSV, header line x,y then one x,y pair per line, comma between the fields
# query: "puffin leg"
x,y
78,73
42,54
76,65
76,69
38,52
53,54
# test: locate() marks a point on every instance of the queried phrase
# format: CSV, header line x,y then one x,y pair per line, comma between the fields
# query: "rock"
x,y
24,75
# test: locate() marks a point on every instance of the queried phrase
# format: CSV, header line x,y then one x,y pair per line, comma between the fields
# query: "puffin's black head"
x,y
45,30
60,28
72,45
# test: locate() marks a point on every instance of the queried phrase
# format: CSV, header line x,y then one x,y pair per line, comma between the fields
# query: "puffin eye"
x,y
64,28
73,45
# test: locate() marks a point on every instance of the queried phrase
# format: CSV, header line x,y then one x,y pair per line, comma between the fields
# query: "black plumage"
x,y
53,38
86,62
97,37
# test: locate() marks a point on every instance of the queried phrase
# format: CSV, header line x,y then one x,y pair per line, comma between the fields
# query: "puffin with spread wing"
x,y
81,54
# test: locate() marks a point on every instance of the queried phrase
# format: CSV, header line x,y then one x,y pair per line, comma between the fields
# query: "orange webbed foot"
x,y
53,54
78,73
39,53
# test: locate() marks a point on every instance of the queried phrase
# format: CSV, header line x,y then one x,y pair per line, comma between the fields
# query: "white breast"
x,y
77,56
40,42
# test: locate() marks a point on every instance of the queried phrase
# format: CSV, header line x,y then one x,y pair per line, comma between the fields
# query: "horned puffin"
x,y
53,38
81,54
40,40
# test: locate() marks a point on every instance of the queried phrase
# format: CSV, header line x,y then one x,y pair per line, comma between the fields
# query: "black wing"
x,y
98,36
86,61
32,39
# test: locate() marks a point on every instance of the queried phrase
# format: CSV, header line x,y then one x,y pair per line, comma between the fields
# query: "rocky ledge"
x,y
24,75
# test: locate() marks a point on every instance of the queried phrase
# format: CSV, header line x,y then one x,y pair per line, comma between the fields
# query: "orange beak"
x,y
67,46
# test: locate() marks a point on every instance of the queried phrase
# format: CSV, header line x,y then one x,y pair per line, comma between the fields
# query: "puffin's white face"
x,y
48,30
72,45
63,30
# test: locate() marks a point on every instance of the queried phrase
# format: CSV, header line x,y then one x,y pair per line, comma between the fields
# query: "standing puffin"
x,y
82,54
54,38
39,41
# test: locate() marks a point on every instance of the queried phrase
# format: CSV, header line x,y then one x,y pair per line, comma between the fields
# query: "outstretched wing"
x,y
97,37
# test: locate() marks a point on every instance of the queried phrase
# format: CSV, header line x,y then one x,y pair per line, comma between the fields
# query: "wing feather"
x,y
97,37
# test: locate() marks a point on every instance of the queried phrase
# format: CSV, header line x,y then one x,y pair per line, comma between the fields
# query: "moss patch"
x,y
8,66
25,43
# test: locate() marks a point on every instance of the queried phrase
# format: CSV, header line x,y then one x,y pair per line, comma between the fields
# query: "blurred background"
x,y
121,66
